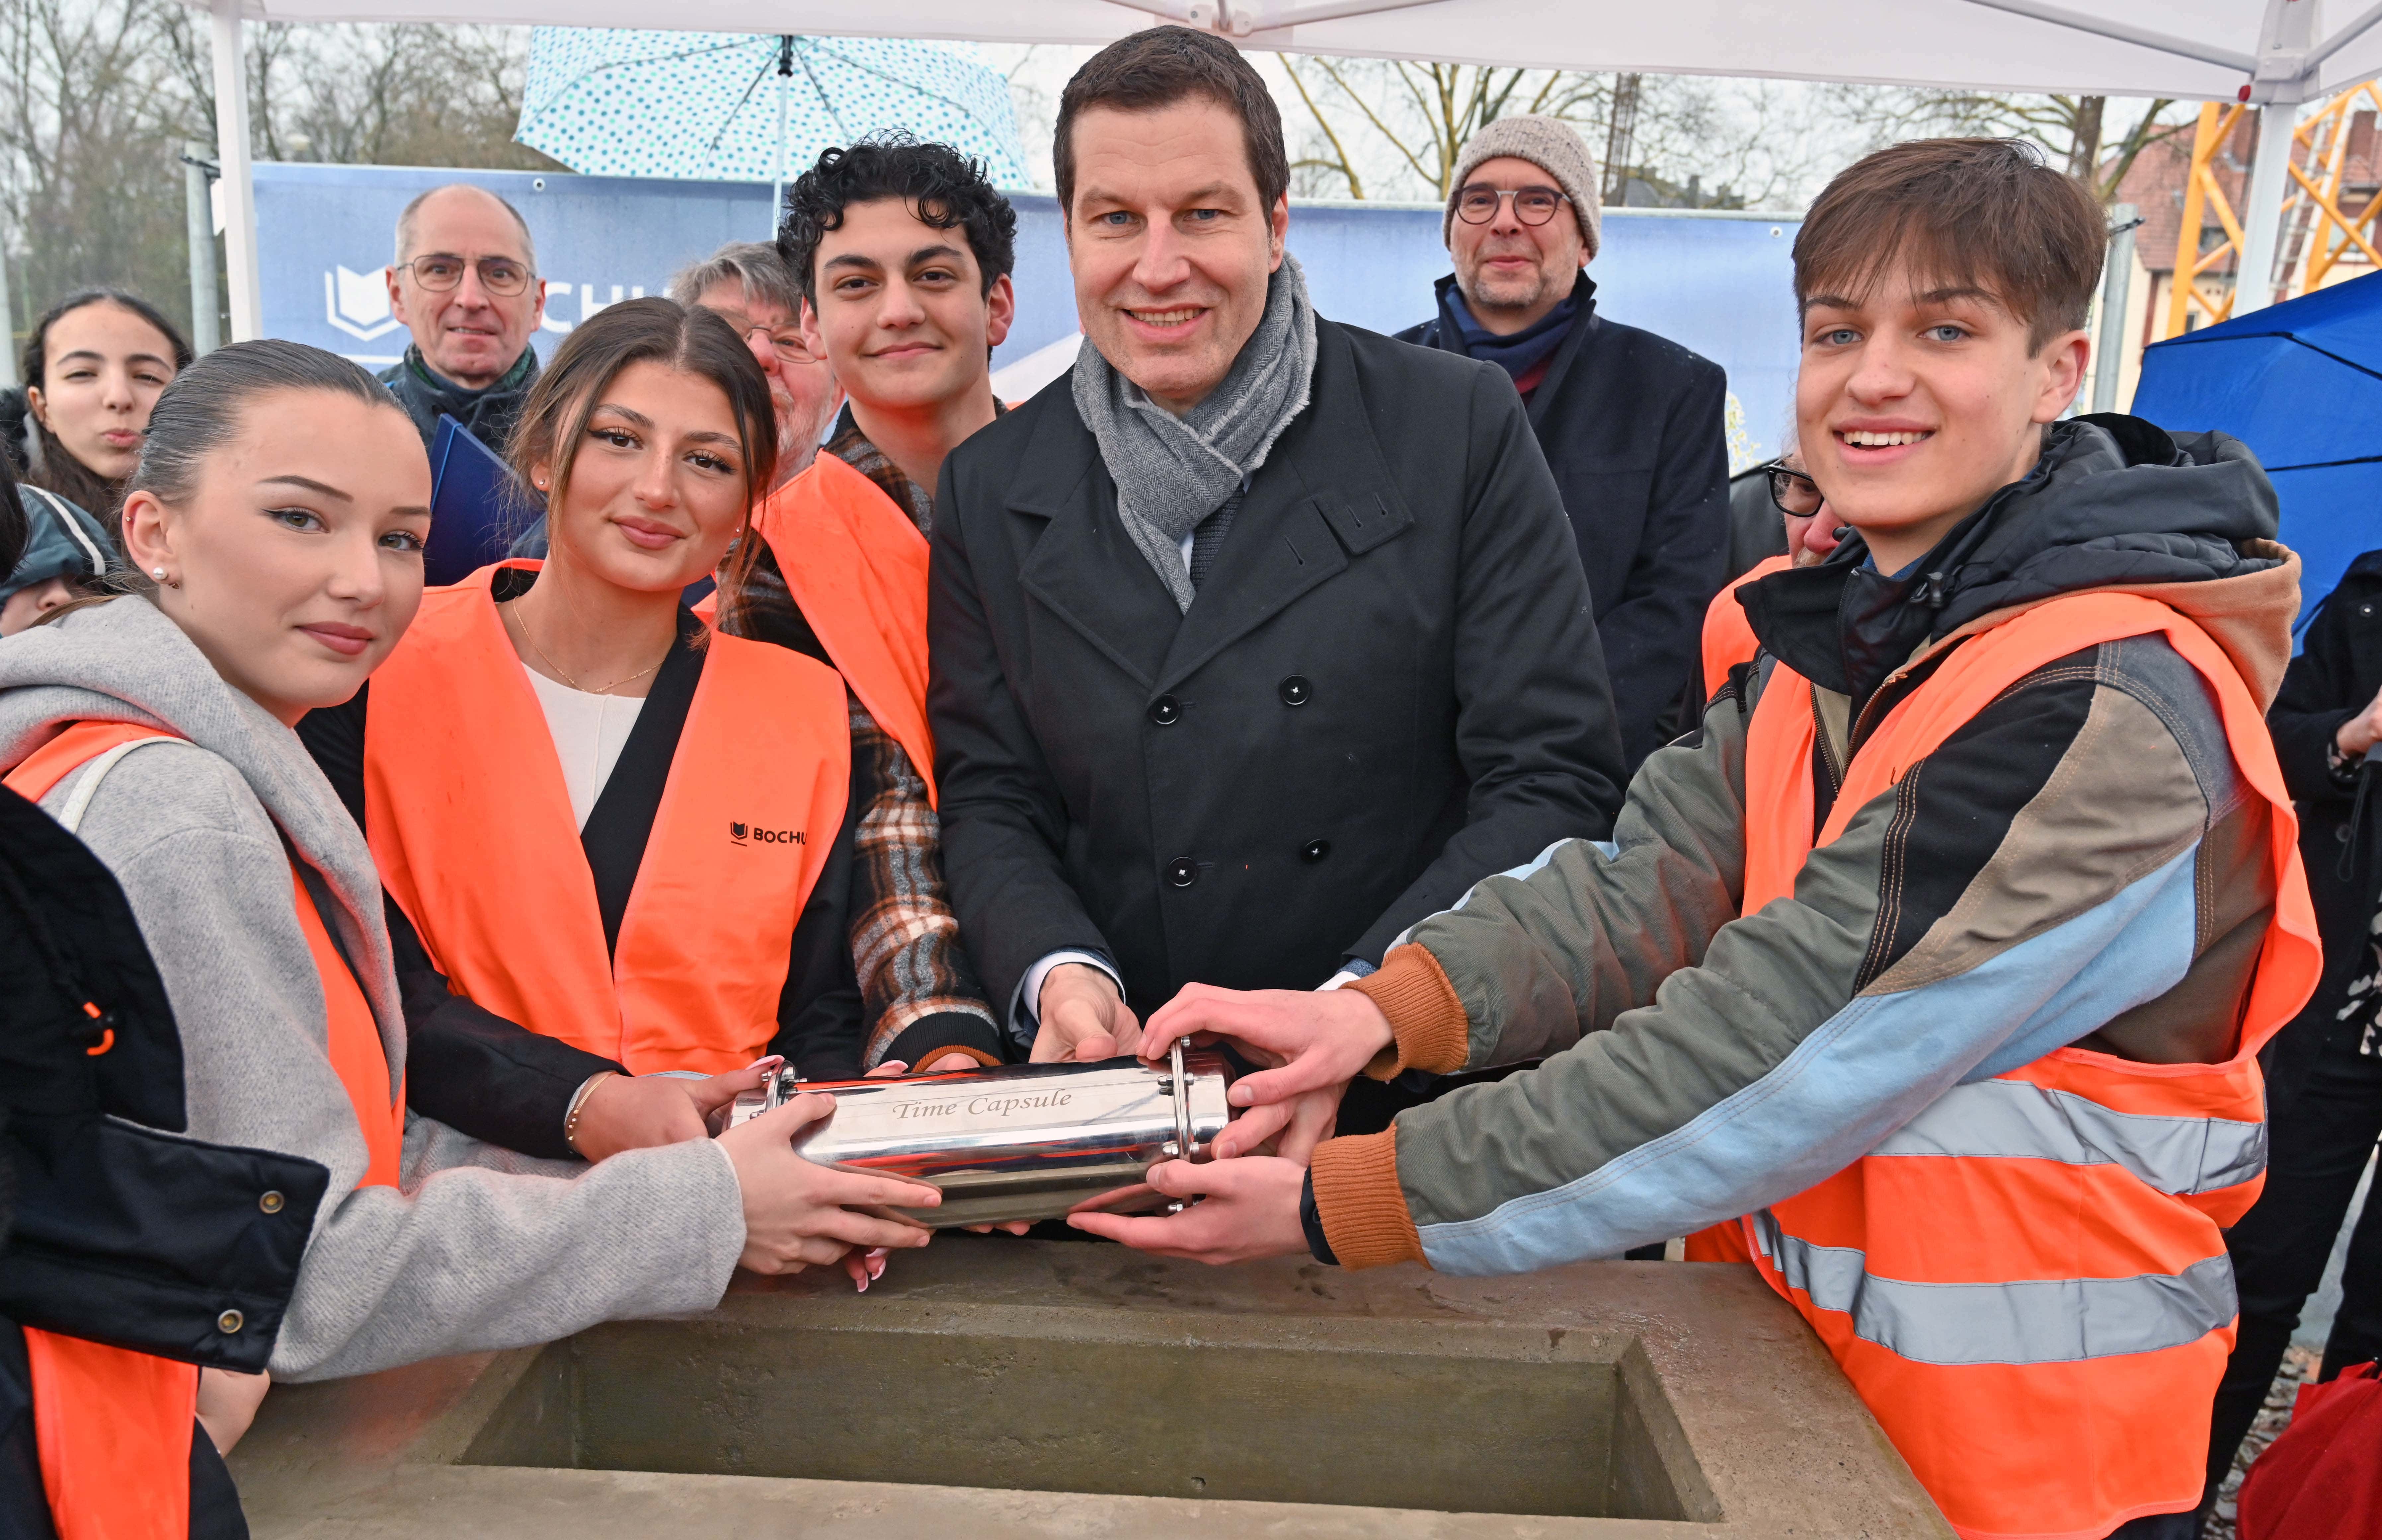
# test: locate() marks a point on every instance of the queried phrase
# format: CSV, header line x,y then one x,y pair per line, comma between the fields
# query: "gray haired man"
x,y
745,282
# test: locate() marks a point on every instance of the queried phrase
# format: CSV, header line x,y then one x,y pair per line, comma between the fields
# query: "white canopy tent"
x,y
2275,53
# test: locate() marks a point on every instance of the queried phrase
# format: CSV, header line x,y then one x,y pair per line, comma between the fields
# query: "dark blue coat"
x,y
1632,427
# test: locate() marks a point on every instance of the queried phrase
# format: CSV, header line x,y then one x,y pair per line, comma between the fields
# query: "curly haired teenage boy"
x,y
1928,977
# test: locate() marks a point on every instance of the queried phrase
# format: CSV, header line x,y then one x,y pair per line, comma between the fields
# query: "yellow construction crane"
x,y
2318,235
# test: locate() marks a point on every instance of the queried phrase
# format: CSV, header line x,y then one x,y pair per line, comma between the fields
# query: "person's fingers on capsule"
x,y
1253,1128
857,1271
867,1230
888,1069
717,1091
1094,1046
860,1189
1308,1072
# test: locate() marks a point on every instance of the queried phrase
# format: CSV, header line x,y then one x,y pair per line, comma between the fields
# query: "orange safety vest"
x,y
1729,634
471,824
857,567
2039,1316
114,1427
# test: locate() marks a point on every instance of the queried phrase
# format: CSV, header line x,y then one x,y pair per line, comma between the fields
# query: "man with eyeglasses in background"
x,y
1630,423
745,283
465,283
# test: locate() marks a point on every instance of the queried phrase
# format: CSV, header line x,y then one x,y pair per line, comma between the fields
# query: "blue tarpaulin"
x,y
2301,384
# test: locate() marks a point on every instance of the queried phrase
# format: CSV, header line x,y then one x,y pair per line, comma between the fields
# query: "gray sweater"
x,y
478,1247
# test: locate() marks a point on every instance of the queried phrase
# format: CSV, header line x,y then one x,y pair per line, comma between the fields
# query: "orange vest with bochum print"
x,y
1729,638
857,567
471,824
114,1427
2116,1287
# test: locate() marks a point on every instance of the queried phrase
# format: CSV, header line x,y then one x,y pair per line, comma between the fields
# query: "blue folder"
x,y
477,505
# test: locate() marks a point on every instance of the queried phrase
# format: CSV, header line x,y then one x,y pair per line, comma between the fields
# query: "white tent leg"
x,y
2262,214
243,288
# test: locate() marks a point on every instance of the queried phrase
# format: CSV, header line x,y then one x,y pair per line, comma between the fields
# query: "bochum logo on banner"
x,y
357,304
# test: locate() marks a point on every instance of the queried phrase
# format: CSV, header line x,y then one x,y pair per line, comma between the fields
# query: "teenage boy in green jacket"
x,y
1927,976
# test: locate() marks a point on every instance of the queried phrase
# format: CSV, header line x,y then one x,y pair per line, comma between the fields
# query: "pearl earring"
x,y
158,573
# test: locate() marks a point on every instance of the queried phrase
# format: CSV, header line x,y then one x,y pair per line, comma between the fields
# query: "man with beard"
x,y
1630,423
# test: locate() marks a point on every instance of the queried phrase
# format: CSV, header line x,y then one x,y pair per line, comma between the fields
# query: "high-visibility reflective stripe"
x,y
2019,1120
2024,1321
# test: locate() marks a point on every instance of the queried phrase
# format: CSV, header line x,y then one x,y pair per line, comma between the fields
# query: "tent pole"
x,y
239,192
2262,216
2116,289
197,208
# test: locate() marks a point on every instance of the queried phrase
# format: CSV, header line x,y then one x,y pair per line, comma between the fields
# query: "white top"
x,y
588,732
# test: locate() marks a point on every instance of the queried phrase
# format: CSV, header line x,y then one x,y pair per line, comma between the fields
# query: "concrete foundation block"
x,y
998,1388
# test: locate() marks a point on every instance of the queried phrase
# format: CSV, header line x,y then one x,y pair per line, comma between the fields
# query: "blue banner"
x,y
1716,283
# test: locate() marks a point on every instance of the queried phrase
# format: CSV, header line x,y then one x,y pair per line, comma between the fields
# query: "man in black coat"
x,y
1631,423
1388,685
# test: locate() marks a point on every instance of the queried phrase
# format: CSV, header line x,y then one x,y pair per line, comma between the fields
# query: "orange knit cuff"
x,y
1426,1017
1363,1208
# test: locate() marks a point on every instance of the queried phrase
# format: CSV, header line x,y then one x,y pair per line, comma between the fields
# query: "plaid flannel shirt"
x,y
914,971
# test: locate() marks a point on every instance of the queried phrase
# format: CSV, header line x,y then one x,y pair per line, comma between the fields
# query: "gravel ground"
x,y
2299,1367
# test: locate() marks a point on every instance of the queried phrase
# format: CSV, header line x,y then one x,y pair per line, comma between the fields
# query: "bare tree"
x,y
86,192
97,95
2073,130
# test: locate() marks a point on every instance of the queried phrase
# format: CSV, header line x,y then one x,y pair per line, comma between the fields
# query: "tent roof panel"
x,y
1996,45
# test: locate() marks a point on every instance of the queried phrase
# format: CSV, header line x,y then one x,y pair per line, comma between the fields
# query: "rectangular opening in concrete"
x,y
1371,1413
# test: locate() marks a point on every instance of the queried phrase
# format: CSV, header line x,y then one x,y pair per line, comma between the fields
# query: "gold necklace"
x,y
523,618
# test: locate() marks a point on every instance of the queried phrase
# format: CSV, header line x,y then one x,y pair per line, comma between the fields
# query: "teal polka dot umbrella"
x,y
725,107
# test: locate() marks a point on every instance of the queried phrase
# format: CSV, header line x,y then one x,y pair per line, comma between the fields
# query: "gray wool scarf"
x,y
1174,472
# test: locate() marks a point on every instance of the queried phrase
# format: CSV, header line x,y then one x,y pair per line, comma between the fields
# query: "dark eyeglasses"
x,y
1791,491
440,272
1476,204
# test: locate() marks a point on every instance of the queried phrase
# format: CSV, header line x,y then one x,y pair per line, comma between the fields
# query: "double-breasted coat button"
x,y
1314,850
1166,711
230,1321
270,1203
1181,871
1296,691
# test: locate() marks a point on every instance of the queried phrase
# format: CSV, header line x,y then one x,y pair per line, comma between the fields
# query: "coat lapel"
x,y
1323,494
1084,568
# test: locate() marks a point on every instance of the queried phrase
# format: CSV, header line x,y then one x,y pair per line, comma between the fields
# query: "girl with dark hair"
x,y
93,368
619,846
276,525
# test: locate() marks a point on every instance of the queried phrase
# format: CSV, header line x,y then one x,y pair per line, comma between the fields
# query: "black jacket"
x,y
1632,427
1389,686
2335,677
113,1224
497,1080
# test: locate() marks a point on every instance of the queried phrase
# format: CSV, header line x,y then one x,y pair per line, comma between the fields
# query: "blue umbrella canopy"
x,y
728,106
2301,384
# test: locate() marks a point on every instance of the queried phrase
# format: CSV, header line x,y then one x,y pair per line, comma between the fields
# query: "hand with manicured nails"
x,y
1248,1208
633,1112
798,1215
1083,1018
1316,1041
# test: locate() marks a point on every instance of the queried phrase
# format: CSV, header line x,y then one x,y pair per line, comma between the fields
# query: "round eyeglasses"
x,y
441,271
1476,204
785,341
1791,491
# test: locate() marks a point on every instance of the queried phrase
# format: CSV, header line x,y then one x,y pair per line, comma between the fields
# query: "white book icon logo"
x,y
357,304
